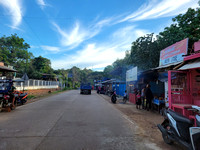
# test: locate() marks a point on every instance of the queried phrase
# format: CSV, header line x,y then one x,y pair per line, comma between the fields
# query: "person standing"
x,y
143,97
125,98
149,97
138,102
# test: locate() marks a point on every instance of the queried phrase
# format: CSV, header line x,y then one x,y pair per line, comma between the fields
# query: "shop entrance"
x,y
179,91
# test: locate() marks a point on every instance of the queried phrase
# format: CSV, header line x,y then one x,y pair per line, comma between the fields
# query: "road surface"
x,y
68,121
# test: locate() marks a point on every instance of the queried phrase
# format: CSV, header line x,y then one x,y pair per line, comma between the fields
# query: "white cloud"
x,y
74,37
158,9
41,3
102,54
78,34
14,9
50,48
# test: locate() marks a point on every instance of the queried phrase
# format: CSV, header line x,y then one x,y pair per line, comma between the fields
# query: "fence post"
x,y
21,85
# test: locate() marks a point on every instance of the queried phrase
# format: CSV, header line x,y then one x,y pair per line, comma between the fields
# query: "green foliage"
x,y
14,52
31,97
145,51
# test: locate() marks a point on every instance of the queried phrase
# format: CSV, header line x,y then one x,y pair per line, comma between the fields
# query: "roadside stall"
x,y
108,86
131,79
6,74
119,87
184,85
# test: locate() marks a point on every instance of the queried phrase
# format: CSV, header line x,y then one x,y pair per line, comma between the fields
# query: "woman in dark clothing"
x,y
149,97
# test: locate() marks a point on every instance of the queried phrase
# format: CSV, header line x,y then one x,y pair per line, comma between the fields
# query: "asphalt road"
x,y
67,121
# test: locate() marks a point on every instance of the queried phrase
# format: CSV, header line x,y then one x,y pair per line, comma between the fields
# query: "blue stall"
x,y
119,87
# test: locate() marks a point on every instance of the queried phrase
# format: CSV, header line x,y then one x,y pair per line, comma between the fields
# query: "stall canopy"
x,y
191,65
4,68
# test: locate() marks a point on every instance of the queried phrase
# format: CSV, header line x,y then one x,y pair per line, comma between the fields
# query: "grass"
x,y
53,92
31,96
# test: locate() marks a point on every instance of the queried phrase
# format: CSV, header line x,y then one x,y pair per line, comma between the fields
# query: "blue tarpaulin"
x,y
119,88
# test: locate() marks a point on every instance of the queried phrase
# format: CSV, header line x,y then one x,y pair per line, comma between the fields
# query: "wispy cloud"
x,y
98,55
50,48
14,9
74,37
157,9
42,3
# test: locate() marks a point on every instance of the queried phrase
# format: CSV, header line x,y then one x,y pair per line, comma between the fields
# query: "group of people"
x,y
143,97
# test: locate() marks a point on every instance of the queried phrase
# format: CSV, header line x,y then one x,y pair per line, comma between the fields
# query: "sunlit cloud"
x,y
74,37
42,3
157,9
50,48
14,9
99,55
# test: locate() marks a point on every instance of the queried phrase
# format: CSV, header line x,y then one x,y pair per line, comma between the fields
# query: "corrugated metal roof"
x,y
4,68
191,65
172,64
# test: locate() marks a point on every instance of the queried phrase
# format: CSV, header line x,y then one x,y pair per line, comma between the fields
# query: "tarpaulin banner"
x,y
174,53
131,75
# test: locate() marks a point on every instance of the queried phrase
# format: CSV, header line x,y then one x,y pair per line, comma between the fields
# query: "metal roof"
x,y
191,65
4,68
165,66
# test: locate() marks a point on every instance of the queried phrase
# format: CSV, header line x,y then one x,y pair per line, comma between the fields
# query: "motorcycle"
x,y
177,128
5,102
113,97
20,98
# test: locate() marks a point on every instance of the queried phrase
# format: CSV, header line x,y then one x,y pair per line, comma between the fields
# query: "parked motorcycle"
x,y
113,97
5,101
177,128
20,98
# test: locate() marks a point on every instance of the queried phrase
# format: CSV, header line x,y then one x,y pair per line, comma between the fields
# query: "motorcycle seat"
x,y
24,94
180,118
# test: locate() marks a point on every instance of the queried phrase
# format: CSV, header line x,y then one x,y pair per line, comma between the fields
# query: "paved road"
x,y
66,121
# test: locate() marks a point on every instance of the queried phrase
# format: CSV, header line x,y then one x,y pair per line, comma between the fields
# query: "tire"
x,y
12,107
166,137
113,99
124,100
167,140
1,105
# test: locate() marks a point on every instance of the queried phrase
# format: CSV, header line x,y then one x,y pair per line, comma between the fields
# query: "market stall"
x,y
184,86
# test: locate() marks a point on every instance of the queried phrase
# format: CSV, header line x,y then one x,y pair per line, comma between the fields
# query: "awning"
x,y
4,68
191,65
165,66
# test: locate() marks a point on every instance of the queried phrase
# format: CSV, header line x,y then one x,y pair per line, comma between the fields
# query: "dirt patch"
x,y
147,122
40,92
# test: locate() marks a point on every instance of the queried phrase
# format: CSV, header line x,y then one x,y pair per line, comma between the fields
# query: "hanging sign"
x,y
174,53
131,75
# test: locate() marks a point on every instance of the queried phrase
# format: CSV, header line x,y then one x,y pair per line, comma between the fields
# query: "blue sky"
x,y
86,33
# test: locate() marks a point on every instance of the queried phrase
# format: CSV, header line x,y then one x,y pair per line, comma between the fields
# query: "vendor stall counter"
x,y
184,90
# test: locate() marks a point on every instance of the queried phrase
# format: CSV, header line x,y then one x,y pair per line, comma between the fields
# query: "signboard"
x,y
174,53
131,75
197,46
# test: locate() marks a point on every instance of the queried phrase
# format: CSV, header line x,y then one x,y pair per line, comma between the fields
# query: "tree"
x,y
39,66
14,52
144,53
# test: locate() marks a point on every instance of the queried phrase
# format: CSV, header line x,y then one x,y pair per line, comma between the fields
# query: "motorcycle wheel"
x,y
166,137
1,106
113,99
12,107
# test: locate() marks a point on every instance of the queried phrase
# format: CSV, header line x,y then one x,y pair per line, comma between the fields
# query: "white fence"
x,y
36,84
